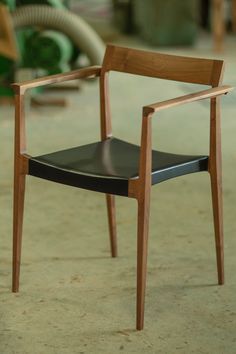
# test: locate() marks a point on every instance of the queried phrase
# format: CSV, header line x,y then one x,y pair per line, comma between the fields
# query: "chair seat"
x,y
106,166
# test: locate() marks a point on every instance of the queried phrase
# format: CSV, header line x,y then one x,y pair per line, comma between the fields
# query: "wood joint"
x,y
24,164
133,188
148,111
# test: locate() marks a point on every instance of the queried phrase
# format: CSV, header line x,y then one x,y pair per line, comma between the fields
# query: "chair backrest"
x,y
163,66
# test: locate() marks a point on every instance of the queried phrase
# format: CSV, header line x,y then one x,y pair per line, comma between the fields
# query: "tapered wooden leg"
x,y
142,242
216,189
110,199
19,192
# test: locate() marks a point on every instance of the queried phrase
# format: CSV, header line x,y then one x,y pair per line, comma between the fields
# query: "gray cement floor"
x,y
74,298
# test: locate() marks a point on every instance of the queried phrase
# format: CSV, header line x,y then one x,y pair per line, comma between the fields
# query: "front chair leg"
x,y
111,212
19,193
142,243
217,205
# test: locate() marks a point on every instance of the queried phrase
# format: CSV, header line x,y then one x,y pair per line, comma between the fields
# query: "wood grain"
x,y
20,168
111,211
163,66
106,132
143,198
197,96
215,170
105,111
91,71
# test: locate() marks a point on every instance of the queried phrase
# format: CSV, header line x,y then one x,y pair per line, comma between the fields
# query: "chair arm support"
x,y
200,95
20,88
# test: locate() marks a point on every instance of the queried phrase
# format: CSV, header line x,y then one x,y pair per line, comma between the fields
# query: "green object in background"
x,y
54,3
7,67
165,23
11,4
53,50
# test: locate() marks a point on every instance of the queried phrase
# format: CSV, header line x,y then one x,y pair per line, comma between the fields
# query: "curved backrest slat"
x,y
163,66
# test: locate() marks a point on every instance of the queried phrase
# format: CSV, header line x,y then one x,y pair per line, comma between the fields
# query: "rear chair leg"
x,y
19,193
110,199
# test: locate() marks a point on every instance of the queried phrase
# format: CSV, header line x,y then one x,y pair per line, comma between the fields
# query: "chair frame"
x,y
185,69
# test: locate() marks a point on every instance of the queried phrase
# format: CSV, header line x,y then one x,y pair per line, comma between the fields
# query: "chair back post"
x,y
105,112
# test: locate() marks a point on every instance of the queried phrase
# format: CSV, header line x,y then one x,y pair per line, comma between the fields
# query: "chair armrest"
x,y
200,95
20,88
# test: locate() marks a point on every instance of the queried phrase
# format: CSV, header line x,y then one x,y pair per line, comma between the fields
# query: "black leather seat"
x,y
106,166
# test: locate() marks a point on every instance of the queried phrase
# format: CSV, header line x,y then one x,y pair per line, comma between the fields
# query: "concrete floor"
x,y
74,298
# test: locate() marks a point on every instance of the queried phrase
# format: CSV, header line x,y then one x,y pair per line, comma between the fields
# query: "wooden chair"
x,y
116,167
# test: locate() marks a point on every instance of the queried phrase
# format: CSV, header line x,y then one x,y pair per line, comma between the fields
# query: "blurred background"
x,y
52,36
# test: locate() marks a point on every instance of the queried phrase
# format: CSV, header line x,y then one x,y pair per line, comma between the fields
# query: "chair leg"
x,y
216,190
142,242
110,199
19,193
